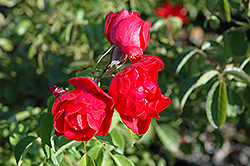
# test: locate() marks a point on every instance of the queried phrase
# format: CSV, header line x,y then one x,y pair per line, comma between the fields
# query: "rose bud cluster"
x,y
87,110
176,11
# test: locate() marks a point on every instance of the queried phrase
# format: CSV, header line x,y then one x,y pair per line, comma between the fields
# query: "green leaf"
x,y
216,104
86,160
96,153
6,44
160,23
237,72
227,10
238,42
61,149
22,148
201,81
107,138
244,63
19,131
235,104
122,160
185,59
186,95
118,140
50,103
168,136
58,159
46,128
214,22
23,27
115,120
84,73
206,77
68,31
134,137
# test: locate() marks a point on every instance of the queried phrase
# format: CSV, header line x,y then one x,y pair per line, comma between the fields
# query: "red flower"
x,y
128,31
176,11
137,96
84,112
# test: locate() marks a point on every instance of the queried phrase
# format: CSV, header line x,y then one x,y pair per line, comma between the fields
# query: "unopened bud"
x,y
118,57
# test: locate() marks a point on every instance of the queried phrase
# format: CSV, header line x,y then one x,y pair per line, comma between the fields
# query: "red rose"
x,y
128,31
84,112
137,96
176,11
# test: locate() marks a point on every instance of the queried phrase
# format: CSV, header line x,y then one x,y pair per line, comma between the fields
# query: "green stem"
x,y
105,148
214,62
85,147
101,74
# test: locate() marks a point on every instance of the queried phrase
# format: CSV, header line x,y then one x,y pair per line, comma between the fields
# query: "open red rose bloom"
x,y
84,112
128,31
176,11
137,96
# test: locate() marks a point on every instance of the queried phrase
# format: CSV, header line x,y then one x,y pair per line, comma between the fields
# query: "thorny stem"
x,y
214,62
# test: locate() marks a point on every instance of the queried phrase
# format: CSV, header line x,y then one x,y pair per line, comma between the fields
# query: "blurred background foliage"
x,y
45,42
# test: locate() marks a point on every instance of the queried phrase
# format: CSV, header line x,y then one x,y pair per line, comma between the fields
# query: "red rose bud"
x,y
176,11
137,96
84,112
128,31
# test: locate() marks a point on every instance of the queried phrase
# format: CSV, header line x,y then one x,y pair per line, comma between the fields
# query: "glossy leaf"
x,y
61,149
50,103
107,138
134,137
237,72
96,152
235,104
22,148
122,160
57,160
23,26
244,63
68,32
86,160
238,42
216,104
17,133
185,59
214,22
6,44
115,121
206,77
118,140
168,136
46,128
201,81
